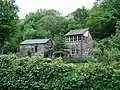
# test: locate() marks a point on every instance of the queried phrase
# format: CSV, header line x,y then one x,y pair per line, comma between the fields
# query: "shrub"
x,y
79,59
37,74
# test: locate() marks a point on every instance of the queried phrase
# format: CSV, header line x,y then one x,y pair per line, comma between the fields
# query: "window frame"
x,y
71,38
85,39
73,51
67,39
79,37
75,38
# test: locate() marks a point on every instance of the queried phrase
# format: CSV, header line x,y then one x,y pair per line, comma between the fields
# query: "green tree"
x,y
44,24
103,17
80,14
116,38
8,20
78,18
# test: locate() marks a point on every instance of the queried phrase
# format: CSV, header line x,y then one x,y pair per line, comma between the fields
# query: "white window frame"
x,y
75,38
71,39
79,38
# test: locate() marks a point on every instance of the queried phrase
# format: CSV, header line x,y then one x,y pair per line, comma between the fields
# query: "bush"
x,y
38,74
105,77
79,59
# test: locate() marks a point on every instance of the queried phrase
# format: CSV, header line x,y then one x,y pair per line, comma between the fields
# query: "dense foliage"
x,y
35,73
102,19
8,20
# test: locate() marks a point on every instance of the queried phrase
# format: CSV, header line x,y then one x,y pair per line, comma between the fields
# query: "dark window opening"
x,y
79,38
71,38
32,49
85,39
36,48
73,51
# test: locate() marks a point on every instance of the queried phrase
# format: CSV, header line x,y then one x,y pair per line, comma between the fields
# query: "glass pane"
x,y
79,37
71,38
67,39
73,51
75,38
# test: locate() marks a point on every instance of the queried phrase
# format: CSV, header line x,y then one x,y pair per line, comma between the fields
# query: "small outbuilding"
x,y
79,42
36,47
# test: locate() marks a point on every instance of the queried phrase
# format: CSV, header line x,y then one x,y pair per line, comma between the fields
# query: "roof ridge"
x,y
34,41
77,31
81,29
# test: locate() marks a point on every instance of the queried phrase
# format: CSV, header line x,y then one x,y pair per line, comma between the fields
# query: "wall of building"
x,y
41,49
25,48
82,47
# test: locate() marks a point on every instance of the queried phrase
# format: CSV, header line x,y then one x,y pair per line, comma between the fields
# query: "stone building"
x,y
79,42
36,47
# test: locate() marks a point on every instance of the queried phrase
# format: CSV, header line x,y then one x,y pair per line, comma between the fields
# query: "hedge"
x,y
39,74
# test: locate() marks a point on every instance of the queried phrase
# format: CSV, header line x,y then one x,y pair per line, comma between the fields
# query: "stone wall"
x,y
83,47
25,48
41,49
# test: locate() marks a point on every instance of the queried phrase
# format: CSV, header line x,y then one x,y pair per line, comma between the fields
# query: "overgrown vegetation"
x,y
102,19
42,74
35,73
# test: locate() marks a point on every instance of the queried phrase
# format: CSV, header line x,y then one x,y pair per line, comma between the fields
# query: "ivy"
x,y
39,74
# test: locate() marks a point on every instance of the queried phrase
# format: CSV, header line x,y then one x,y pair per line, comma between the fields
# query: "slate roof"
x,y
35,41
76,32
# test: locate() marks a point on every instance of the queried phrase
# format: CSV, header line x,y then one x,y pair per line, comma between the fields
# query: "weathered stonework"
x,y
80,45
39,49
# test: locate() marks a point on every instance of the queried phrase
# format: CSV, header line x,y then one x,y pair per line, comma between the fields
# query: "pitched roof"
x,y
76,32
35,41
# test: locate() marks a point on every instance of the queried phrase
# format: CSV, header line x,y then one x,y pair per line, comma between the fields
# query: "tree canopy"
x,y
8,20
102,19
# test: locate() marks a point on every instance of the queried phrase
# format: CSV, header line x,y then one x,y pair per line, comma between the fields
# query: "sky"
x,y
63,6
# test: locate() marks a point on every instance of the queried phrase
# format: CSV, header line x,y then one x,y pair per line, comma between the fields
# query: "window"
x,y
79,38
71,38
85,39
32,49
36,48
67,39
75,38
73,51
